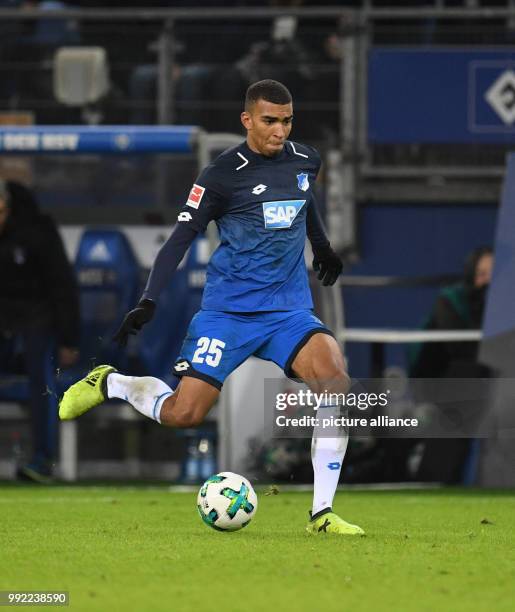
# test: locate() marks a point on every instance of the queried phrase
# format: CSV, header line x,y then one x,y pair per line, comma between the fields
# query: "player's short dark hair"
x,y
269,90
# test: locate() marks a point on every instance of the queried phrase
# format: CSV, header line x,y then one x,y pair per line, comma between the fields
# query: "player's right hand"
x,y
134,321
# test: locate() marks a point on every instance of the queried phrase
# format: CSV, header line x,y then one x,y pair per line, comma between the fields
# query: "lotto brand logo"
x,y
334,465
259,189
181,366
281,214
184,216
195,196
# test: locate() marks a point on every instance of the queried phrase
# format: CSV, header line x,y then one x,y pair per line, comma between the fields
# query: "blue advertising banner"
x,y
441,95
115,139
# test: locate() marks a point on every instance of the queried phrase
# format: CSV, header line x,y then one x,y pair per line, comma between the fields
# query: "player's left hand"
x,y
328,265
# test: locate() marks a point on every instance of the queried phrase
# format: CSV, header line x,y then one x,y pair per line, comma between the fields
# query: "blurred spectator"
x,y
444,460
191,86
327,90
39,313
283,57
459,307
51,33
31,44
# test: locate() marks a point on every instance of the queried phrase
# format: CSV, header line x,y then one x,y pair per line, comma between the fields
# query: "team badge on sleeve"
x,y
195,196
303,181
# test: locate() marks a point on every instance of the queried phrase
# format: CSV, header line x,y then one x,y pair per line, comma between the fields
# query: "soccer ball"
x,y
227,502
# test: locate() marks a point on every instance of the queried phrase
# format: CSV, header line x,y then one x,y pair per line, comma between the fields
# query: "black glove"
x,y
328,265
134,321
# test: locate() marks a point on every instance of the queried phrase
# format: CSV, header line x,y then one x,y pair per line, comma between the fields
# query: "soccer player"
x,y
256,300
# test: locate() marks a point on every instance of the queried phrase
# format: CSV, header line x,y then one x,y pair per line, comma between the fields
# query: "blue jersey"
x,y
260,205
263,207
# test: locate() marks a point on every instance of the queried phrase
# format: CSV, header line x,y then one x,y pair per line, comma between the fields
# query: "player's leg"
x,y
321,365
187,406
306,349
210,352
152,397
190,403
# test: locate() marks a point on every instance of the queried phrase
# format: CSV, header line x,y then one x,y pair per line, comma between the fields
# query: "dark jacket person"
x,y
458,307
39,311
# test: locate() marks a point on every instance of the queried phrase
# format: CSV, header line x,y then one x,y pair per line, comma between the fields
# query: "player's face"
x,y
268,126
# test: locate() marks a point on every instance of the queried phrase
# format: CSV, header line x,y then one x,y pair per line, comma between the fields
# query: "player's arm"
x,y
325,261
203,204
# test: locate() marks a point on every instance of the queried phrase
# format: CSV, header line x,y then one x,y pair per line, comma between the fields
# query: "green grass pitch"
x,y
117,548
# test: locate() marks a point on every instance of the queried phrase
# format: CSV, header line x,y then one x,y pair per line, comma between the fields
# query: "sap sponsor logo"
x,y
259,189
195,196
281,214
184,216
303,181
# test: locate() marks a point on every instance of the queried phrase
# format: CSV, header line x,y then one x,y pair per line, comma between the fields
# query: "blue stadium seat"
x,y
108,275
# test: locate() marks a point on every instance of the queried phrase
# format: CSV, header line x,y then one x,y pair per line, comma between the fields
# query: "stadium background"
x,y
410,107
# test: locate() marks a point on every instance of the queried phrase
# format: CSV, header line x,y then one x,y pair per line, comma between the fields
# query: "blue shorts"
x,y
218,342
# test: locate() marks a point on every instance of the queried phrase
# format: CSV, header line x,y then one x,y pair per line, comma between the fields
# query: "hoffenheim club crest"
x,y
303,181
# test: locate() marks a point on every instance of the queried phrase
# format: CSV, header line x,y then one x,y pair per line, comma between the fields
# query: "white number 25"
x,y
213,347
